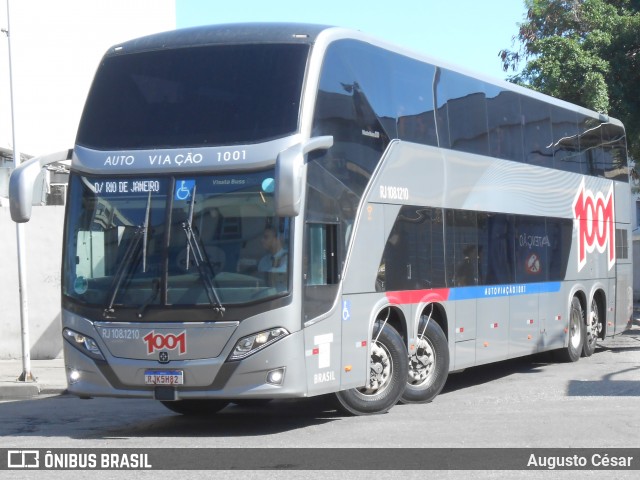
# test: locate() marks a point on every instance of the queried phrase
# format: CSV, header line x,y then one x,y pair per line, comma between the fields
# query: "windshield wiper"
x,y
155,290
202,263
141,234
130,254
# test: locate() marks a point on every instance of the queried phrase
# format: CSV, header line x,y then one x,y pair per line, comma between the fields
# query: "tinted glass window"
x,y
462,248
566,142
614,152
497,239
442,115
505,125
354,98
466,112
531,250
412,90
536,118
622,244
559,231
590,145
320,268
215,95
413,257
474,248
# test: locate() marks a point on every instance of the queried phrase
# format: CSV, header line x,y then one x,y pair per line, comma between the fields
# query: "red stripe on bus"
x,y
418,296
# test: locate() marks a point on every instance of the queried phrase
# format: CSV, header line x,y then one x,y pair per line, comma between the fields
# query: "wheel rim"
x,y
381,370
593,323
575,328
422,362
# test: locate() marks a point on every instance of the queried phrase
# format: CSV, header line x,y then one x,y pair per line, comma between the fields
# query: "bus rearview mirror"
x,y
22,181
289,174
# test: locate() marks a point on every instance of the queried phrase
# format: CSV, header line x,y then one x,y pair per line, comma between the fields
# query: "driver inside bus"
x,y
274,263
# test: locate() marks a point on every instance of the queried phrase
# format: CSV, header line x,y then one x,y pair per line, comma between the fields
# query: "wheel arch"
x,y
438,314
580,294
395,318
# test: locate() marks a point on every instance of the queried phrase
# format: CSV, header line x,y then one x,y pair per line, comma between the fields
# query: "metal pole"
x,y
26,375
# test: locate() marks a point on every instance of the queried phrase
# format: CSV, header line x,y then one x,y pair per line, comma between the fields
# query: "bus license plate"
x,y
163,377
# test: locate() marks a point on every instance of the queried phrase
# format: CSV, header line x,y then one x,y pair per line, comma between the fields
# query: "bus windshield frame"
x,y
174,241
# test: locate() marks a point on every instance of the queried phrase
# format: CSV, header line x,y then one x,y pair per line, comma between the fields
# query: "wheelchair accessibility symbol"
x,y
346,310
184,189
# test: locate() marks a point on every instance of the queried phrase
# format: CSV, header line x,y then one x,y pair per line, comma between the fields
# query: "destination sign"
x,y
126,186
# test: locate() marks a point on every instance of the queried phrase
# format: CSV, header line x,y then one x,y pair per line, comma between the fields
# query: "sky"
x,y
469,33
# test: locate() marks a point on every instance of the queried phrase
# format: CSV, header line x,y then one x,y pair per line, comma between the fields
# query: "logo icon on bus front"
x,y
595,223
157,341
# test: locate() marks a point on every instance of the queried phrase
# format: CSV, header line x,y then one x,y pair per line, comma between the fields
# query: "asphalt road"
x,y
532,402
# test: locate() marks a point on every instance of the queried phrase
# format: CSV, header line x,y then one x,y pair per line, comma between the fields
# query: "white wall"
x,y
56,46
43,235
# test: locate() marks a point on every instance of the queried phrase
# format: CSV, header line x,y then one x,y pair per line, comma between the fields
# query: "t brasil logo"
x,y
594,221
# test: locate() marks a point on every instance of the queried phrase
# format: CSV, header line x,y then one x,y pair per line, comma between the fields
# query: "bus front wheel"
x,y
387,376
428,363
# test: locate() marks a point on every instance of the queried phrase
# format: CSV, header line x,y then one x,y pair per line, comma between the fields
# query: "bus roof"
x,y
237,33
282,32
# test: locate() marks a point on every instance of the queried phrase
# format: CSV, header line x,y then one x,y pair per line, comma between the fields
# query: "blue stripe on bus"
x,y
507,290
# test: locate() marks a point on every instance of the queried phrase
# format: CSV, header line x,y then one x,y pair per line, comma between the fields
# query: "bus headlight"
x,y
86,345
254,343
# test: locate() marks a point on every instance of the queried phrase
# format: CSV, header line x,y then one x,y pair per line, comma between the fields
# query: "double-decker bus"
x,y
264,211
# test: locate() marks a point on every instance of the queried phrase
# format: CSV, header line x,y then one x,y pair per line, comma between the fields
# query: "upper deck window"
x,y
194,97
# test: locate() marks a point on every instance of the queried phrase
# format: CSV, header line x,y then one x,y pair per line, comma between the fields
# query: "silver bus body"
x,y
385,224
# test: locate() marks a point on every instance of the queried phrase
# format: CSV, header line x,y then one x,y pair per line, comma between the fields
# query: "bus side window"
x,y
320,268
322,254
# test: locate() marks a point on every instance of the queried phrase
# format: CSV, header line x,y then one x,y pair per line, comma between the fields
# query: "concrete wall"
x,y
43,236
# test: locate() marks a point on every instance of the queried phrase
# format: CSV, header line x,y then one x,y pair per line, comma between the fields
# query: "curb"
x,y
47,378
18,392
23,391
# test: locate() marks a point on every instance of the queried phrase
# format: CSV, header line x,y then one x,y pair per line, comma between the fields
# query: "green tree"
x,y
584,51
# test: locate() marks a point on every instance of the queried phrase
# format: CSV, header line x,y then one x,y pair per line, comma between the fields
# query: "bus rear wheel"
x,y
592,330
198,407
387,376
428,364
573,351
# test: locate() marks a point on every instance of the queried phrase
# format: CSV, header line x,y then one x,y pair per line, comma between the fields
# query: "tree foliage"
x,y
584,51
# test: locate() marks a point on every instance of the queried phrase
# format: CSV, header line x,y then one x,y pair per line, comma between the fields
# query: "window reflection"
x,y
472,248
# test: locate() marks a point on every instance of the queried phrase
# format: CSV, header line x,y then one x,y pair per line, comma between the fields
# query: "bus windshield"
x,y
194,97
174,240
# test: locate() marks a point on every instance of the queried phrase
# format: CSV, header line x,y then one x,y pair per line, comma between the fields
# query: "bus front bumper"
x,y
277,371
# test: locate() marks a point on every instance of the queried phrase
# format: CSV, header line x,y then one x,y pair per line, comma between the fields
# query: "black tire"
x,y
592,329
573,351
388,376
428,365
201,408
